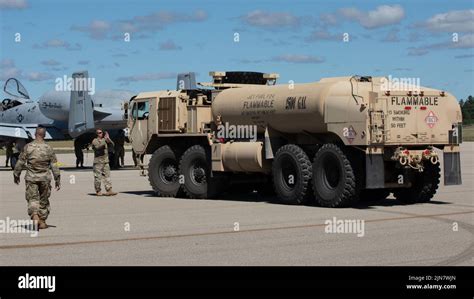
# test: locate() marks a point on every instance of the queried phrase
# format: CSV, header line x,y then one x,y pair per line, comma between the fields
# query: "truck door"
x,y
138,124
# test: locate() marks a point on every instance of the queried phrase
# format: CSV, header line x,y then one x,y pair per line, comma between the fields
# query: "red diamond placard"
x,y
431,119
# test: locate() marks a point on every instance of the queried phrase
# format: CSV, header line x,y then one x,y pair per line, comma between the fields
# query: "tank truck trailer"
x,y
335,141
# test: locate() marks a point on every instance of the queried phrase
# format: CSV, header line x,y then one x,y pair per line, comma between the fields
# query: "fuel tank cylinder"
x,y
244,157
286,108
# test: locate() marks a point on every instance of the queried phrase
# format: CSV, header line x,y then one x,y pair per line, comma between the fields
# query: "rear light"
x,y
406,152
426,152
423,108
407,107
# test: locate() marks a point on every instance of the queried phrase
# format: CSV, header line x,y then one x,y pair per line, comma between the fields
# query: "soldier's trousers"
x,y
37,195
102,172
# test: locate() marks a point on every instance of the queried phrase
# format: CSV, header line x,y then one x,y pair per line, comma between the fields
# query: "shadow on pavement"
x,y
89,168
389,202
146,193
272,199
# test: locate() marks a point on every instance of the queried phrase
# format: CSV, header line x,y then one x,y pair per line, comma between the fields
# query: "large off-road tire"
x,y
373,194
195,167
424,186
334,181
291,173
163,172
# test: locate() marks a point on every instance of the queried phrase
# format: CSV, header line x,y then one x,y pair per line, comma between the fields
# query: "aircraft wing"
x,y
27,131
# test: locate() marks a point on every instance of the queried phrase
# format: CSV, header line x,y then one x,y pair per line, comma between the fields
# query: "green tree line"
x,y
467,108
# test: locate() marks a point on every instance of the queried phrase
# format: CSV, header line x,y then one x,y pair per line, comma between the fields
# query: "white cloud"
x,y
452,21
38,76
465,41
8,73
58,43
328,19
146,77
55,43
392,36
319,35
7,62
383,15
293,58
97,29
169,45
270,20
417,51
8,69
249,61
50,62
101,29
464,56
13,4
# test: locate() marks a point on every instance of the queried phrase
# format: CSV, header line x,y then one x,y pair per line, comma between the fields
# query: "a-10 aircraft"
x,y
72,114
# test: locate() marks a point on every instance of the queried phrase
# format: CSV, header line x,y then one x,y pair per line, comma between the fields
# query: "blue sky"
x,y
300,40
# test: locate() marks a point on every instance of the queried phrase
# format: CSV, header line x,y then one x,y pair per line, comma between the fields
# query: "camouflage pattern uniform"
x,y
101,164
38,158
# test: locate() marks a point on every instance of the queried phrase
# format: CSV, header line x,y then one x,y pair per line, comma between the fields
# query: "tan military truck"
x,y
334,141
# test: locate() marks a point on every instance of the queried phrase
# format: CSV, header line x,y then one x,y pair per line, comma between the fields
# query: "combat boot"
x,y
42,224
36,221
110,193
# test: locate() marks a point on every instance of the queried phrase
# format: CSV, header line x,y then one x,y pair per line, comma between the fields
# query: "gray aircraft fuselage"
x,y
52,110
108,112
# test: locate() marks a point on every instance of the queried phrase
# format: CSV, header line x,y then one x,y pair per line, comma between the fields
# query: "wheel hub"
x,y
198,174
168,172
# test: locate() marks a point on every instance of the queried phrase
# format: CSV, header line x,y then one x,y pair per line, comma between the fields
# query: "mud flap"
x,y
272,142
452,168
374,171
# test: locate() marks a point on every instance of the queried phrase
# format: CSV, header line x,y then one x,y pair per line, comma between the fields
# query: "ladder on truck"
x,y
378,129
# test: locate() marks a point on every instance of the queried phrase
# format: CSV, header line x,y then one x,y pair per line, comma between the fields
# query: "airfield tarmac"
x,y
137,228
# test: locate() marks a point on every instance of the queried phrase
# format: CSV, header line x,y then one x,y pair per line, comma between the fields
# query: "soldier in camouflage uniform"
x,y
100,145
38,159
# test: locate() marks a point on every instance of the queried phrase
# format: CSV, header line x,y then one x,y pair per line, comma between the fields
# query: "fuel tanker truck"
x,y
335,141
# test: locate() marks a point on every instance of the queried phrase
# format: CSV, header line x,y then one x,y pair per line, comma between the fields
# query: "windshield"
x,y
140,110
14,88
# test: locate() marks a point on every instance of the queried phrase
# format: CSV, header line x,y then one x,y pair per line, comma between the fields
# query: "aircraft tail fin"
x,y
81,117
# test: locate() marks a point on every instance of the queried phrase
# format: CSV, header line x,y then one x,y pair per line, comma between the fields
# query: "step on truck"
x,y
335,141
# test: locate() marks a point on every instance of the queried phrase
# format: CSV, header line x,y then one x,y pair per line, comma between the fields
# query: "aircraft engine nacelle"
x,y
55,104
